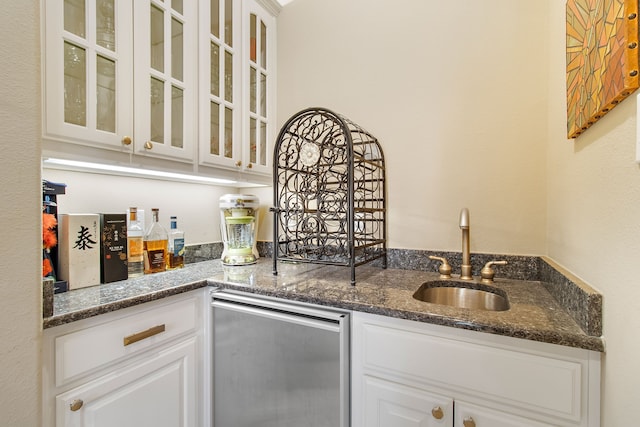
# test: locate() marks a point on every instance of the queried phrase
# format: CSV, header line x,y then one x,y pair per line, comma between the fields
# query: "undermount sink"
x,y
463,295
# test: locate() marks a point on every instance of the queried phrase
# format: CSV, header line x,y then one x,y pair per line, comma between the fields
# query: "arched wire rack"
x,y
329,192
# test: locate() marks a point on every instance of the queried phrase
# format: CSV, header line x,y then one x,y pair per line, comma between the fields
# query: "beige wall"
x,y
594,225
468,100
441,99
20,263
456,92
195,205
470,110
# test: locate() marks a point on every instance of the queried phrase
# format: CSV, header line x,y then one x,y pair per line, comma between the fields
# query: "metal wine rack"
x,y
329,192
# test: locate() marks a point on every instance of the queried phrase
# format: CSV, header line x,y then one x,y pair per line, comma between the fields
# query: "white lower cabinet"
x,y
157,392
469,415
407,373
388,404
140,366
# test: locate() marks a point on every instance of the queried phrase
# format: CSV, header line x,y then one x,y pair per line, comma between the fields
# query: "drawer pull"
x,y
139,336
469,422
437,413
76,405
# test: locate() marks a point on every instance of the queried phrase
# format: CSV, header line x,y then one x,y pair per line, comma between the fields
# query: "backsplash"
x,y
518,267
581,301
202,252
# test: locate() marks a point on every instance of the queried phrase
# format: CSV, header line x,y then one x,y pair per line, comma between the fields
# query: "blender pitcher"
x,y
239,225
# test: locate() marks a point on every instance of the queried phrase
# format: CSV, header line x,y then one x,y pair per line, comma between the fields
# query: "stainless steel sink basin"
x,y
463,295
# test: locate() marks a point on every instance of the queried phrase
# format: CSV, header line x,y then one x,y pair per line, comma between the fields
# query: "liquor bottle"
x,y
155,246
176,246
135,245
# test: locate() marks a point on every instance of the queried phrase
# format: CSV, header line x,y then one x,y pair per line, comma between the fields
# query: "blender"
x,y
239,225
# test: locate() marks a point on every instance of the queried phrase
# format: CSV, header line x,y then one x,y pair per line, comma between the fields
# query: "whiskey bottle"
x,y
155,246
176,246
135,245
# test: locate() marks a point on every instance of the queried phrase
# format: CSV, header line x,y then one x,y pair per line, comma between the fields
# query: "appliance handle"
x,y
288,316
265,302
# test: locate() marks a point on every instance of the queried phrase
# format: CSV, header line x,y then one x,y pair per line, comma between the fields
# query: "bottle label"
x,y
136,248
156,259
178,247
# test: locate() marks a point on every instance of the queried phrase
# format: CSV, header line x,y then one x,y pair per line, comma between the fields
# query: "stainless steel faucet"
x,y
465,269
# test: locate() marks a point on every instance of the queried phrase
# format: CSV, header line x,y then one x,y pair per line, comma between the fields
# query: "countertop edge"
x,y
57,320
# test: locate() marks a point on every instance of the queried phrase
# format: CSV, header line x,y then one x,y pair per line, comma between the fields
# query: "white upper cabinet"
x,y
220,76
178,84
237,85
87,65
165,78
259,81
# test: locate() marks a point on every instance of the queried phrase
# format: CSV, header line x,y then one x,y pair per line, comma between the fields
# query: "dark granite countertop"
x,y
88,302
534,314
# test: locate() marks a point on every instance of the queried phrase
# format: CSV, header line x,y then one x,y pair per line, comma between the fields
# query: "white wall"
x,y
460,126
195,205
20,217
468,101
594,224
456,92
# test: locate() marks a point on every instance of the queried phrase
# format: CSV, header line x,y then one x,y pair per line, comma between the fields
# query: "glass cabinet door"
x,y
165,79
237,58
87,61
169,79
259,111
220,40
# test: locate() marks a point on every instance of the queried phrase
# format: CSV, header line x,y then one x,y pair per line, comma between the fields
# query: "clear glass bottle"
x,y
135,245
155,246
175,259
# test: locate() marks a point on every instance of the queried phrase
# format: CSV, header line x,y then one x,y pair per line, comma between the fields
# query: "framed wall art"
x,y
602,59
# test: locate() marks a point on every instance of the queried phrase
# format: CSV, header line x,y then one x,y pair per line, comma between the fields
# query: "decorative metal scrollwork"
x,y
329,192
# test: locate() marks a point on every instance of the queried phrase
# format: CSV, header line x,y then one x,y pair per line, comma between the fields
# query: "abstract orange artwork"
x,y
602,59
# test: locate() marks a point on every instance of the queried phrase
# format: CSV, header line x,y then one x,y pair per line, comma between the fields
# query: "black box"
x,y
113,248
53,188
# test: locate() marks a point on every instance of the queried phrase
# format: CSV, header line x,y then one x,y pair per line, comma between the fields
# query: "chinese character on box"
x,y
79,246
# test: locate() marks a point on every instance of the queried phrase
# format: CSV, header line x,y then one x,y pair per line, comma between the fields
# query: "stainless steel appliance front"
x,y
278,363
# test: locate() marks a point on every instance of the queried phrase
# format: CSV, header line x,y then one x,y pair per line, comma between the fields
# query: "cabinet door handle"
x,y
437,413
126,140
76,405
469,422
250,165
139,336
148,145
238,163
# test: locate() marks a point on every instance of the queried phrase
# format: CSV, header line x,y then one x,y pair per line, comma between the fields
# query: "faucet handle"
x,y
487,272
444,269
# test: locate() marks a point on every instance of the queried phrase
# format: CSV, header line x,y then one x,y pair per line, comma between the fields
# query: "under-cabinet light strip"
x,y
134,171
